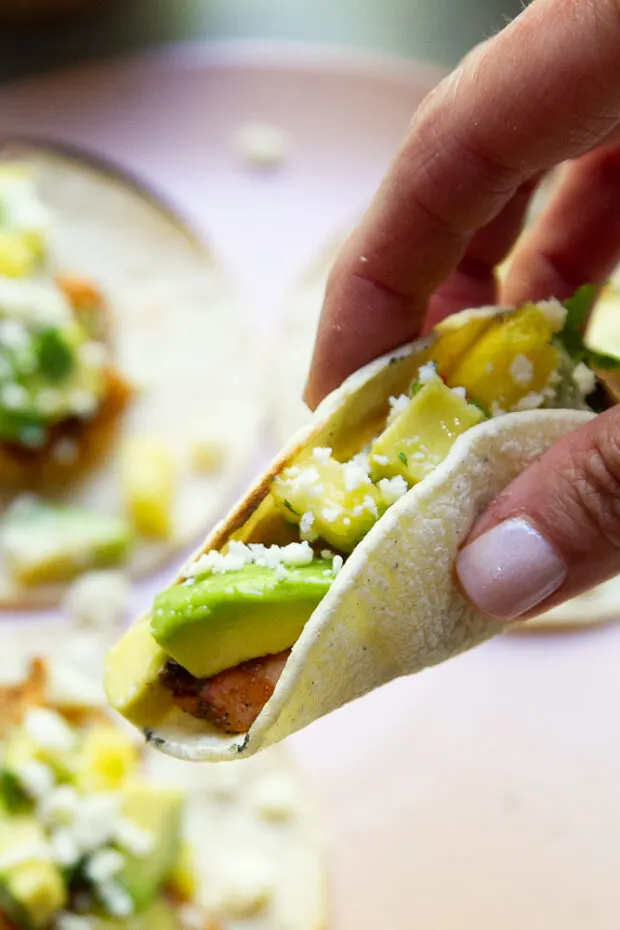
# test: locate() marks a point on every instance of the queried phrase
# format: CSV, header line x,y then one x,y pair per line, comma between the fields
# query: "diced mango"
x,y
147,476
421,436
106,759
512,359
340,504
454,339
18,256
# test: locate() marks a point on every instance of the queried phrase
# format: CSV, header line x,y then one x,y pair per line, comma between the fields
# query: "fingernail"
x,y
509,570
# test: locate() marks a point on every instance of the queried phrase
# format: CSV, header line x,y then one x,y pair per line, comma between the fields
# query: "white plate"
x,y
484,793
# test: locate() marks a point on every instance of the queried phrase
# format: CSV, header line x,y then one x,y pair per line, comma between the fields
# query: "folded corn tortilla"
x,y
395,607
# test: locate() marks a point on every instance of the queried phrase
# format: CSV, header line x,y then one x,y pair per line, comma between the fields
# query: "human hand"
x,y
450,208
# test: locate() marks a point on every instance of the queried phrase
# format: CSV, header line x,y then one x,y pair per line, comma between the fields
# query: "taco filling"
x,y
58,389
215,643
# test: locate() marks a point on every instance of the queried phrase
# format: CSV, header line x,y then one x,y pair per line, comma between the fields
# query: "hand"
x,y
450,208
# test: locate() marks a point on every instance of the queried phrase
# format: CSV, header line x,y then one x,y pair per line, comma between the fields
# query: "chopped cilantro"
x,y
403,458
572,336
290,507
13,797
476,403
415,387
56,358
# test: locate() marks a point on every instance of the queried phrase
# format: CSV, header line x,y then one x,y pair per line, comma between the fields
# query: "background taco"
x,y
122,428
334,574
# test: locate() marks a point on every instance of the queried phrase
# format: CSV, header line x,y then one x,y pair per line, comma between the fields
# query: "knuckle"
x,y
594,486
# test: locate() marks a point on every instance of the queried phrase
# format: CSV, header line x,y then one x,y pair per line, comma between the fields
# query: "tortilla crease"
x,y
395,608
48,663
167,296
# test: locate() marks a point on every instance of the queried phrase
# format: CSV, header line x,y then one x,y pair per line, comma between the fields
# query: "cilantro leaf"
x,y
56,357
572,336
290,507
12,795
476,403
403,458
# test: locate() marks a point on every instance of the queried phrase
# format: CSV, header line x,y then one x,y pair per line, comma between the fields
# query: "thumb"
x,y
554,532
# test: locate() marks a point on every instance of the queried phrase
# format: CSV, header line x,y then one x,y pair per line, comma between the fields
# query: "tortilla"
x,y
291,362
395,608
178,333
257,816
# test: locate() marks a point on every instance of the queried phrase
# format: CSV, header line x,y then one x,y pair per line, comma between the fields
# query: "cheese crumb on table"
x,y
262,145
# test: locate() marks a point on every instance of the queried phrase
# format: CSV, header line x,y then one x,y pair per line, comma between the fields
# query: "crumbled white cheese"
x,y
321,453
67,921
530,402
262,145
521,370
93,354
103,865
331,514
14,396
98,600
82,403
381,459
281,573
354,476
34,302
305,524
96,820
36,779
584,378
337,564
554,312
65,849
275,797
393,488
327,554
427,372
460,392
397,405
58,806
14,334
132,838
48,730
370,505
496,410
239,555
115,899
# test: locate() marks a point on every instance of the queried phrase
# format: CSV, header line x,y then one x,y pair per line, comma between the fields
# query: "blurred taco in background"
x,y
98,834
110,308
335,574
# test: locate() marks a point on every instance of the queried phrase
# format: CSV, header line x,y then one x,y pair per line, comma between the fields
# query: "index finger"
x,y
543,90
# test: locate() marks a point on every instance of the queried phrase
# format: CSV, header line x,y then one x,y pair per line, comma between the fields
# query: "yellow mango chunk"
x,y
454,339
131,677
513,358
105,761
182,878
19,255
147,479
329,499
421,436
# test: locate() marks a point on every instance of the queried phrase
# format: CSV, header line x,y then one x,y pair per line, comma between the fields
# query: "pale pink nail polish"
x,y
510,569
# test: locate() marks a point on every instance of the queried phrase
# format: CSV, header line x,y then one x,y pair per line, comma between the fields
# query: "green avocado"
x,y
53,542
32,891
225,619
158,811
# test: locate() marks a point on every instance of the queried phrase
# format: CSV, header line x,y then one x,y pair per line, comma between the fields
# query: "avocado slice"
x,y
421,436
157,810
225,619
31,891
46,542
131,678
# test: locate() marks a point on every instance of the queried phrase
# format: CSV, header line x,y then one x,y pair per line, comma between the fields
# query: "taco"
x,y
111,311
334,574
97,833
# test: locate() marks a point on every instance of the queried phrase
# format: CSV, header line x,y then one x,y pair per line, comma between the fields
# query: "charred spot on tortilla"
x,y
219,638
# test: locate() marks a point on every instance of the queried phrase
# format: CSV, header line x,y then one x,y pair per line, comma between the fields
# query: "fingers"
x,y
576,240
543,90
555,532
